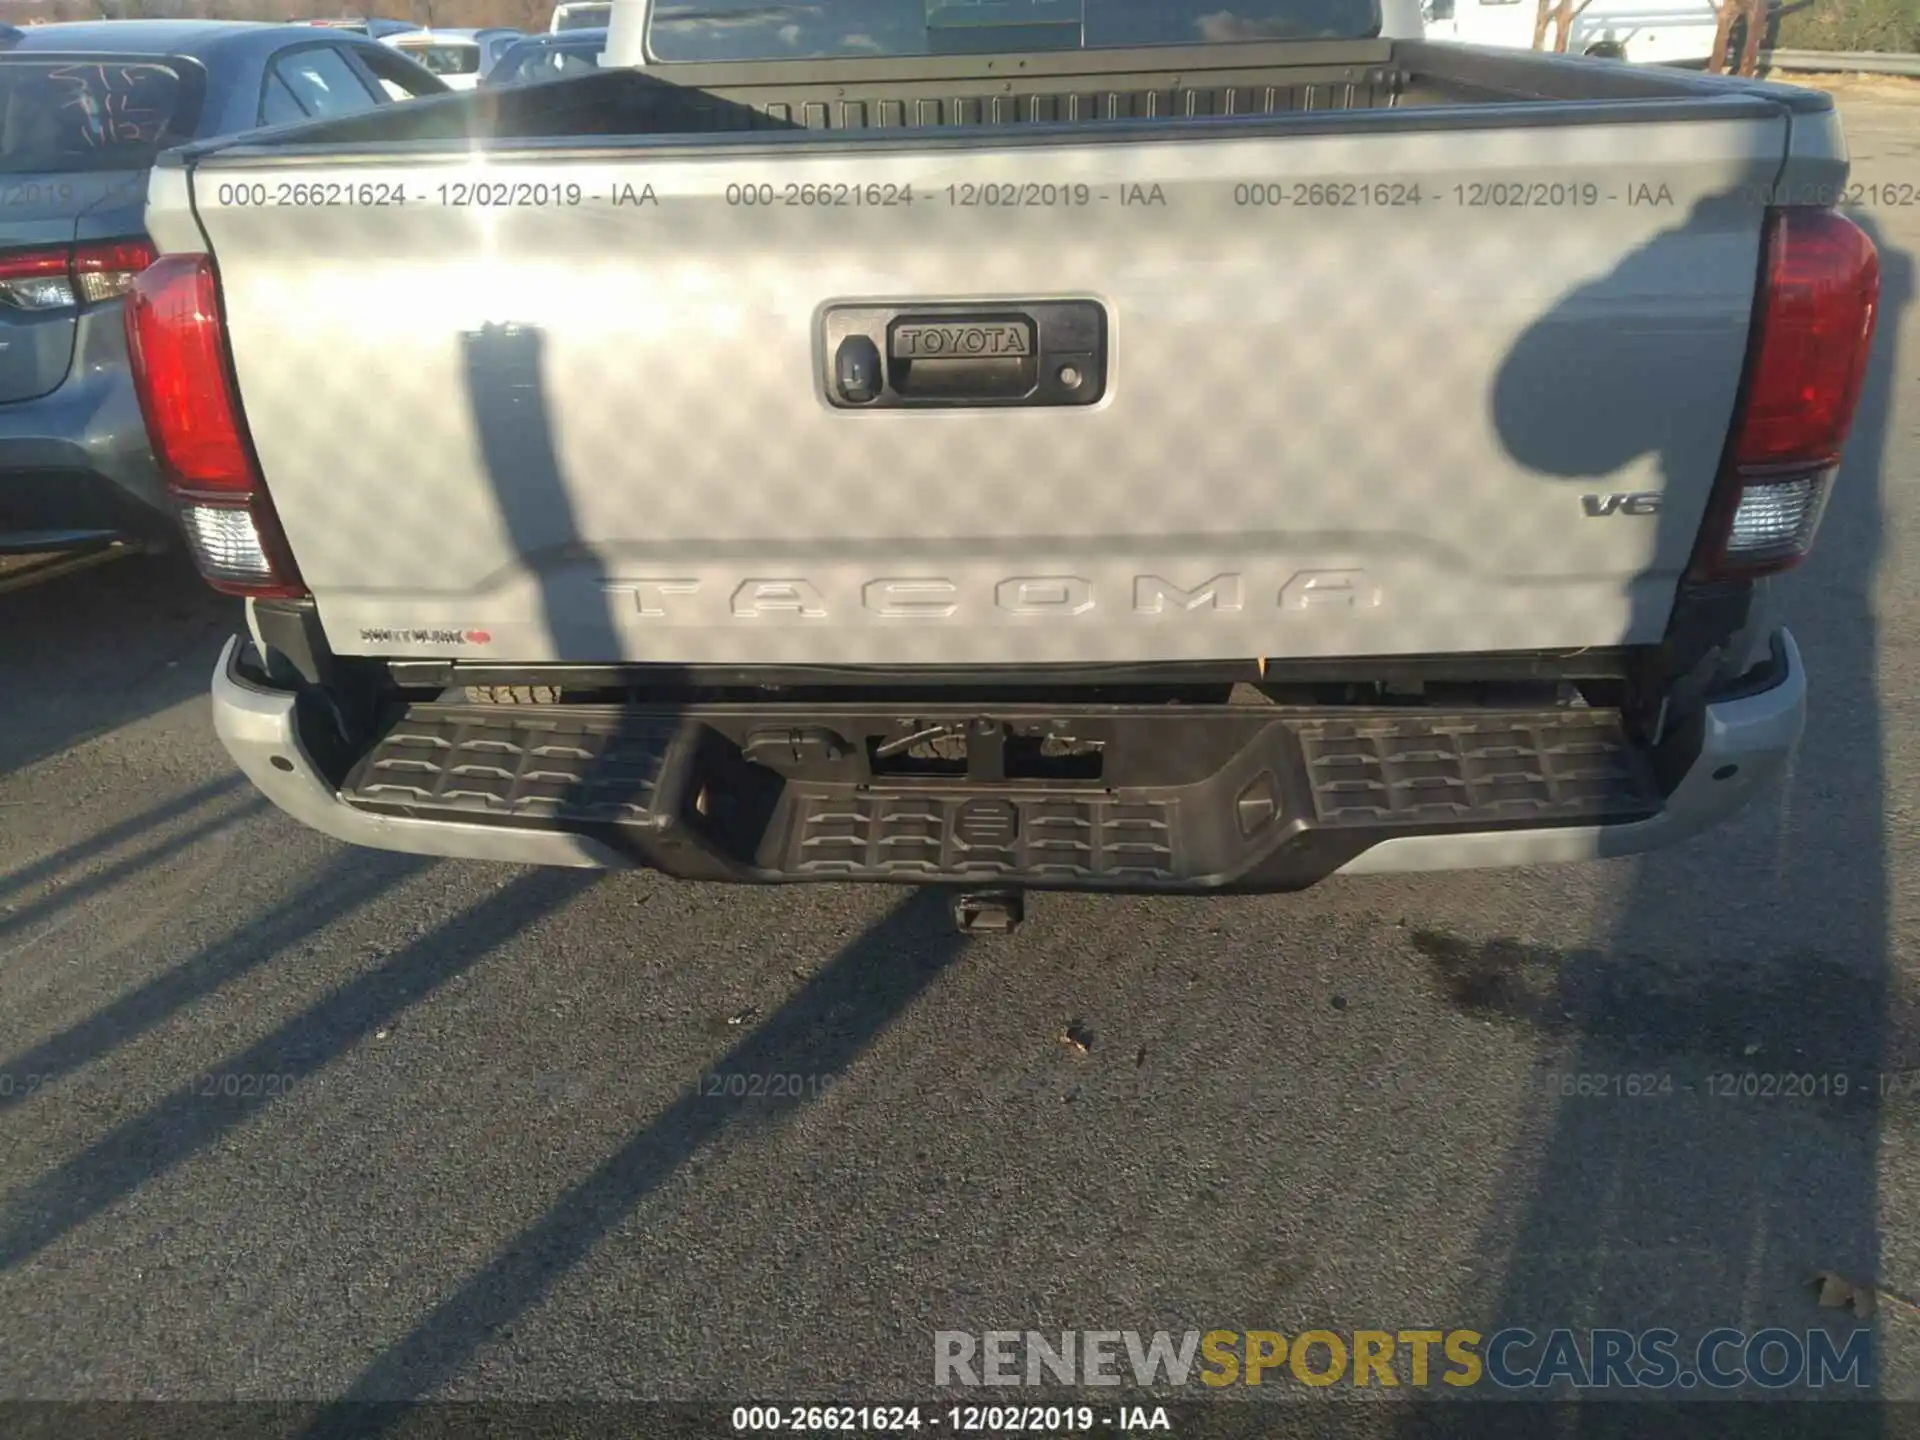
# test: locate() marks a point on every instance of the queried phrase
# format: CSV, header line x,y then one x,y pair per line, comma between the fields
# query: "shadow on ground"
x,y
1677,1176
87,653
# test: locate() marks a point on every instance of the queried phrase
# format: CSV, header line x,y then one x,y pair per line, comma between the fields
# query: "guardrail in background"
x,y
1860,62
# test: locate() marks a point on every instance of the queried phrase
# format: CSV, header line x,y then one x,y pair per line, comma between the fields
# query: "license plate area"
x,y
959,354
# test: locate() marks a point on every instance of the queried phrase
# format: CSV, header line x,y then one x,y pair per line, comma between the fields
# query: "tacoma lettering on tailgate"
x,y
936,598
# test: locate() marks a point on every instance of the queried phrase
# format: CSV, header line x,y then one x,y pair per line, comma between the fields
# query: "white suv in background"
x,y
459,57
584,15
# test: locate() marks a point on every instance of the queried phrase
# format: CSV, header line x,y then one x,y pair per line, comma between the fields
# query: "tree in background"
x,y
1747,19
1558,16
1742,26
1853,25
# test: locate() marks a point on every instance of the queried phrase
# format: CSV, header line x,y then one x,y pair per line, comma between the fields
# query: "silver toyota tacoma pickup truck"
x,y
1142,450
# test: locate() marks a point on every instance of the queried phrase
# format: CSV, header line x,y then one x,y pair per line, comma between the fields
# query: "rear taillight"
x,y
183,376
70,275
1813,329
106,272
37,279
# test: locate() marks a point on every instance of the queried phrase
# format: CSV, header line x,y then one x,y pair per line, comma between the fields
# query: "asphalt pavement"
x,y
283,1119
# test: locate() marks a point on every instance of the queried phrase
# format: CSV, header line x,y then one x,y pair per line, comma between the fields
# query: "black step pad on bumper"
x,y
1242,797
483,764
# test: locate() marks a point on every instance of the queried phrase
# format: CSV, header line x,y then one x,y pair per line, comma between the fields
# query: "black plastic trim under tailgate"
x,y
1153,798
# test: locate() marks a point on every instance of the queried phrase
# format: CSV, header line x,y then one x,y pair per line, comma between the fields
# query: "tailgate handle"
x,y
954,354
986,358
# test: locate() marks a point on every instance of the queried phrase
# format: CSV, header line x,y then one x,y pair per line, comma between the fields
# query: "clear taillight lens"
x,y
1778,518
226,544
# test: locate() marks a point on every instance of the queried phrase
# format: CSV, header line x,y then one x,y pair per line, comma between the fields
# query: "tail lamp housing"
x,y
1813,330
183,375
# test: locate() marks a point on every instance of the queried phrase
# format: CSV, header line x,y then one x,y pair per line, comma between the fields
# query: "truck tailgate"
x,y
1398,391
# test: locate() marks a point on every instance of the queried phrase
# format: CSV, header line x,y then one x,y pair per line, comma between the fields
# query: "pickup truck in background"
x,y
1200,458
1646,32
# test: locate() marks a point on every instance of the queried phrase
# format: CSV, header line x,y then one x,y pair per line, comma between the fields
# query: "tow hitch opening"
x,y
988,912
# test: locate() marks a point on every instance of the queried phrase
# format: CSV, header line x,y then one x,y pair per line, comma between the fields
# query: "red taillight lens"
x,y
1823,287
183,376
59,279
1813,333
180,372
36,279
21,264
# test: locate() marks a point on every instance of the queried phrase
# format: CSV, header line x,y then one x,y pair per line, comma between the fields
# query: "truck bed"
x,y
1297,80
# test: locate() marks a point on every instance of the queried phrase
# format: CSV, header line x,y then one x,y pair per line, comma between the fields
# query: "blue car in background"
x,y
546,57
84,110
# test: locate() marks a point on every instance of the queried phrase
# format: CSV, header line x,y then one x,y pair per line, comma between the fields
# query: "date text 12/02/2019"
x,y
1398,195
965,195
1735,1085
756,195
380,194
960,195
1471,195
983,1420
